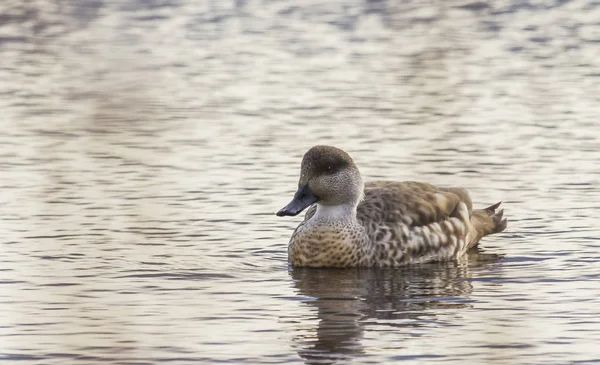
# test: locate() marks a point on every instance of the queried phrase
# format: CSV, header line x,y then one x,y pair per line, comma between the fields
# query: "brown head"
x,y
328,176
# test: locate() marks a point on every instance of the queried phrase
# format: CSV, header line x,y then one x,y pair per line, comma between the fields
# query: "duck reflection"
x,y
348,300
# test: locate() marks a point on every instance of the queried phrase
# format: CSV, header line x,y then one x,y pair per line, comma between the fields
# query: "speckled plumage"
x,y
382,223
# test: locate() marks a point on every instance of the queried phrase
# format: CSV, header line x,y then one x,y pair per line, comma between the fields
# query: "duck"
x,y
380,223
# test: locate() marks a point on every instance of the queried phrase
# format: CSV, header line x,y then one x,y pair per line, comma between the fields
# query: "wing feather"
x,y
413,203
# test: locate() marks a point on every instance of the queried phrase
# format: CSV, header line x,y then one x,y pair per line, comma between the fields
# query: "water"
x,y
146,145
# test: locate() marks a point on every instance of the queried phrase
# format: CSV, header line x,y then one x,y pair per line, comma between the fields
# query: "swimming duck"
x,y
380,223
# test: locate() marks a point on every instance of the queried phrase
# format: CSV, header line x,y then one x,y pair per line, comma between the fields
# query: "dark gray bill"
x,y
302,199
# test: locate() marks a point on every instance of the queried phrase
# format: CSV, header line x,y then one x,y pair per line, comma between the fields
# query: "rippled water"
x,y
146,145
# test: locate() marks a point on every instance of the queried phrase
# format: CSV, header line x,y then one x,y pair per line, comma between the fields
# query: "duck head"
x,y
328,177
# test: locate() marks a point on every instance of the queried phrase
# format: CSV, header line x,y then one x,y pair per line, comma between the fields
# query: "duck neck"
x,y
335,213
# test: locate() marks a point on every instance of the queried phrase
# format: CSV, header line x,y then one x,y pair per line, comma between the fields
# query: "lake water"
x,y
146,145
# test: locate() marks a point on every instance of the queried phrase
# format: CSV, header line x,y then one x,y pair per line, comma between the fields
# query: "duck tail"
x,y
486,221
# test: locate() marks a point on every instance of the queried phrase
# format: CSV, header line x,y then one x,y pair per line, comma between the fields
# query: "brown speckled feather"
x,y
413,203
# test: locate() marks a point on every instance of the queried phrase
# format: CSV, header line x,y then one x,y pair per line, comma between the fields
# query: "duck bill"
x,y
302,200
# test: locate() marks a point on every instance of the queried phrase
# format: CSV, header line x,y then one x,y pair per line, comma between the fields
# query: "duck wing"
x,y
413,203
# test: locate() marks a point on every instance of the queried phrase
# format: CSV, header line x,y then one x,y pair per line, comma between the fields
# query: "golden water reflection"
x,y
348,302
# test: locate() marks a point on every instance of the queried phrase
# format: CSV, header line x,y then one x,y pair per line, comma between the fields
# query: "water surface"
x,y
146,145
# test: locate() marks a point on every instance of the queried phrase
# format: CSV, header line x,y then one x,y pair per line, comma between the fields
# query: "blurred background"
x,y
145,146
